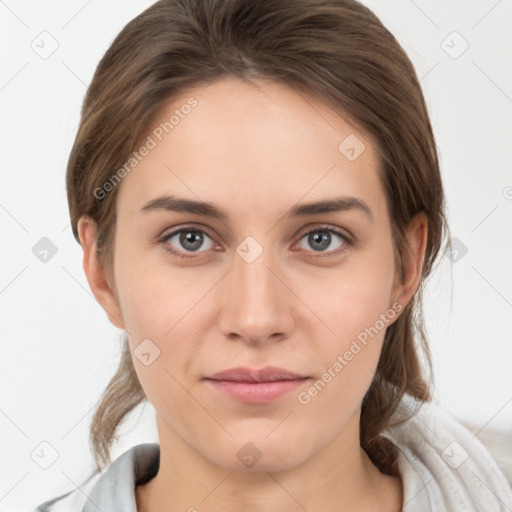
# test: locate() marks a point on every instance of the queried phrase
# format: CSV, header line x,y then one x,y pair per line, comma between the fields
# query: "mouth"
x,y
256,386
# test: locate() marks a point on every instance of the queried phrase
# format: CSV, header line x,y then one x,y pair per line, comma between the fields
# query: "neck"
x,y
338,477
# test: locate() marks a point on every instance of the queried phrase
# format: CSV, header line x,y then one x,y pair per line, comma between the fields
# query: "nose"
x,y
257,304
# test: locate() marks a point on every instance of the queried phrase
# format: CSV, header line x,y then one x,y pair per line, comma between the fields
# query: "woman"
x,y
256,189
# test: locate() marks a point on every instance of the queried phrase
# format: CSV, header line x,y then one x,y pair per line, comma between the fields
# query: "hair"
x,y
336,50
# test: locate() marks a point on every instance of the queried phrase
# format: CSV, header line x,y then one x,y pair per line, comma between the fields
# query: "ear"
x,y
413,258
96,274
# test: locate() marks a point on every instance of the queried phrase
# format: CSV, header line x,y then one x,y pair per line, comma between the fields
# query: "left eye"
x,y
321,239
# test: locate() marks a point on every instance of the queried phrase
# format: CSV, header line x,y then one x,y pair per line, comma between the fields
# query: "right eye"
x,y
186,240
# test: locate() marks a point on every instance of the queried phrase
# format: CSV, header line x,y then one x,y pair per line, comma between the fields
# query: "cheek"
x,y
356,307
154,297
349,358
161,313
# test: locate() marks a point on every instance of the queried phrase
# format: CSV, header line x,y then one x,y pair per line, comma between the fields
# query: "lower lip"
x,y
256,392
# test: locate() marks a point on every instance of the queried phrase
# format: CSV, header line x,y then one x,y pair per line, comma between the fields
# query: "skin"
x,y
255,152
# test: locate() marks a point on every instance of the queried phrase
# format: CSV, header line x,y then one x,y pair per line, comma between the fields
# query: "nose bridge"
x,y
254,283
256,304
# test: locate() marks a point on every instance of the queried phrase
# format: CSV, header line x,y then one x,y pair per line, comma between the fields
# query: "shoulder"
x,y
112,489
444,462
497,443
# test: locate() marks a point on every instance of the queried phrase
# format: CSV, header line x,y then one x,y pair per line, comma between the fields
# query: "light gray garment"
x,y
442,465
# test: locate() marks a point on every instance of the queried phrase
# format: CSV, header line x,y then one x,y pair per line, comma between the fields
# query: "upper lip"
x,y
267,374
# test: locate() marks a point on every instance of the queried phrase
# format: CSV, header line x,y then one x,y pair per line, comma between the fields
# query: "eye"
x,y
186,240
192,240
320,239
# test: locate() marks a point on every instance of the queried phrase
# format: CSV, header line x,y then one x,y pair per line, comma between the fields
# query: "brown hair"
x,y
337,50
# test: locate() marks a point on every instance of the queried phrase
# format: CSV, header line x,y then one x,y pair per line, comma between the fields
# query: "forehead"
x,y
267,143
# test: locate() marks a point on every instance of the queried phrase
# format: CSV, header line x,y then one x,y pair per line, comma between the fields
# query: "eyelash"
x,y
347,242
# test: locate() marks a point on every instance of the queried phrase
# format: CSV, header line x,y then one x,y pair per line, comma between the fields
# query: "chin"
x,y
260,455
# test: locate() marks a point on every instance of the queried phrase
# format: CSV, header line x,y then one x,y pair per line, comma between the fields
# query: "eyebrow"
x,y
337,204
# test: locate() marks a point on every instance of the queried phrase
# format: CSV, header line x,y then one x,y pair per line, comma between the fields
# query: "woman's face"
x,y
270,283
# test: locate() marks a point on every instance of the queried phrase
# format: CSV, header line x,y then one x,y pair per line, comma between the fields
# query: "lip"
x,y
256,385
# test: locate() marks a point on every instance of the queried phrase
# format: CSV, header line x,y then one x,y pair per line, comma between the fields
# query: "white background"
x,y
58,349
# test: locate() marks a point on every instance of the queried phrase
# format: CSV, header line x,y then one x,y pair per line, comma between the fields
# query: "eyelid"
x,y
176,229
326,227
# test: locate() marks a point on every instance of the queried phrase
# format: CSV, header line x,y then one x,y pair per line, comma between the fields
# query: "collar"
x,y
115,489
442,466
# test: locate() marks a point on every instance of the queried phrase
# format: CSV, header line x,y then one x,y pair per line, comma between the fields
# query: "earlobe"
x,y
96,274
413,257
